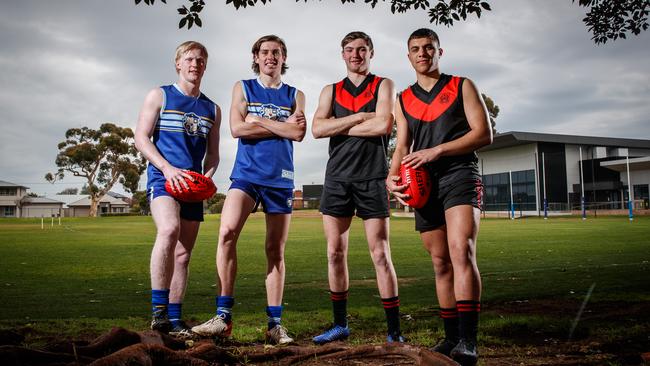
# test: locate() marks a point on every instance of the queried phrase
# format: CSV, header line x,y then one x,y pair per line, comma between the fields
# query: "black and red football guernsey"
x,y
354,159
436,117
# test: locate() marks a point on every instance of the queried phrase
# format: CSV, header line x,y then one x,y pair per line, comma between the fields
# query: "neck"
x,y
357,77
429,79
271,81
188,88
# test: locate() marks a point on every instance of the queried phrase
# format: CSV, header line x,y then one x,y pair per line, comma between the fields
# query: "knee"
x,y
442,266
379,256
463,252
336,256
227,234
168,232
182,258
274,255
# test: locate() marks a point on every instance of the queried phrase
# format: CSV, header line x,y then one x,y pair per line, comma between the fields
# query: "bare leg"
x,y
236,209
183,252
462,230
337,230
164,211
377,236
277,230
435,242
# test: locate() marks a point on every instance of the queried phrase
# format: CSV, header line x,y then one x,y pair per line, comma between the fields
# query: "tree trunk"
x,y
94,202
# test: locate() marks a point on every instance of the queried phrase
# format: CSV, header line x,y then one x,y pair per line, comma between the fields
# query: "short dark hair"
x,y
424,33
356,35
258,44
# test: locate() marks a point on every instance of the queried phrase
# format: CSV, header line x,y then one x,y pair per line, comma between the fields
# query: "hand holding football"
x,y
200,189
418,185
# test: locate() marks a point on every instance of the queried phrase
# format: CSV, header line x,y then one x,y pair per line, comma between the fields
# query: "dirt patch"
x,y
124,347
517,343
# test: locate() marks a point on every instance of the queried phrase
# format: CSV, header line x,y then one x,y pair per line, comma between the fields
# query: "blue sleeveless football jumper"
x,y
181,131
267,161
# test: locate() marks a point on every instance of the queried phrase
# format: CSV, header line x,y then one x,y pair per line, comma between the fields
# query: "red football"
x,y
418,185
201,189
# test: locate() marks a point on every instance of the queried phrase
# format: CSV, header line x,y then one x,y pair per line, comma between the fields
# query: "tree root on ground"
x,y
124,347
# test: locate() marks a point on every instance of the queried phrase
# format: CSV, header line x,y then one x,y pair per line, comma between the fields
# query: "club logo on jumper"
x,y
444,98
191,123
270,111
287,174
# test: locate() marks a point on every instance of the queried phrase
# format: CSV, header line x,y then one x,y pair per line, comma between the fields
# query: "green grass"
x,y
94,273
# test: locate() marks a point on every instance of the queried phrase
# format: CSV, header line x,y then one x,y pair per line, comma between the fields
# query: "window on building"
x,y
496,193
8,192
9,211
523,190
641,192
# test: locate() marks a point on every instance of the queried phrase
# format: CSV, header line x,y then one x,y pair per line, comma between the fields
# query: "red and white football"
x,y
201,189
418,185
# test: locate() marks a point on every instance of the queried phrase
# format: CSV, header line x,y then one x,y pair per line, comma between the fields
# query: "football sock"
x,y
450,320
175,310
159,303
468,311
275,315
340,307
224,307
391,307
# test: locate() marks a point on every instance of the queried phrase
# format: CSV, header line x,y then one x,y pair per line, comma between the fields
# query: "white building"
x,y
526,167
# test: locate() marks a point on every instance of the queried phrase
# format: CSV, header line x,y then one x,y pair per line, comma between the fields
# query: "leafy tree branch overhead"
x,y
605,19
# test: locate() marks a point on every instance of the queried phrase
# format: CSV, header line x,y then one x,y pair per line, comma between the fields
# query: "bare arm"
x,y
382,122
238,111
402,147
211,161
480,133
293,128
324,125
143,132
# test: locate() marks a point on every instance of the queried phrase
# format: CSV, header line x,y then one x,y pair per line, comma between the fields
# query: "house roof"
x,y
515,138
85,201
5,184
37,200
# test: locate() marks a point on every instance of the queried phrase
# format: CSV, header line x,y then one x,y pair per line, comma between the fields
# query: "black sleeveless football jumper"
x,y
354,159
436,117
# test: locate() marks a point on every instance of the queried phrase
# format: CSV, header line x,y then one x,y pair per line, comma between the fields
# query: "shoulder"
x,y
155,96
385,82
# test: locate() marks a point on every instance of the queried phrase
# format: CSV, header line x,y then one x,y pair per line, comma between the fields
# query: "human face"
x,y
424,54
270,58
191,65
357,55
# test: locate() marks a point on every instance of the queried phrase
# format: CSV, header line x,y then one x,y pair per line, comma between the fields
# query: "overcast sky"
x,y
66,64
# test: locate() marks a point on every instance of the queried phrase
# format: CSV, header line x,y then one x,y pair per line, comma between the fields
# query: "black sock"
x,y
391,307
340,307
468,319
450,320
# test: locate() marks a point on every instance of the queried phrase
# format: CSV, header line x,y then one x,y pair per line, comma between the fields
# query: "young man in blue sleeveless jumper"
x,y
444,119
357,116
184,125
266,116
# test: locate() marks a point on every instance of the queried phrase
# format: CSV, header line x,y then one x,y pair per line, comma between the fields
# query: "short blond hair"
x,y
188,46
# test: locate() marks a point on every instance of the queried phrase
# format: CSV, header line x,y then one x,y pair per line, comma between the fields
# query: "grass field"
x,y
90,274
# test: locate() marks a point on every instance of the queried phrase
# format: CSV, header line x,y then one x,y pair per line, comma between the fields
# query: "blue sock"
x,y
159,303
275,315
224,307
175,311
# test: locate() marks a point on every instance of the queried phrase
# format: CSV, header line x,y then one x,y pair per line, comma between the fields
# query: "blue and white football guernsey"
x,y
181,131
267,161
